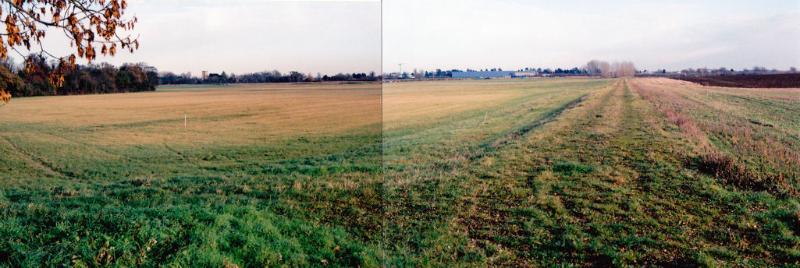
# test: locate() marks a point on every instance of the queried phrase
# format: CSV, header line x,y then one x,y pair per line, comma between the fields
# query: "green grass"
x,y
250,205
609,183
245,198
557,172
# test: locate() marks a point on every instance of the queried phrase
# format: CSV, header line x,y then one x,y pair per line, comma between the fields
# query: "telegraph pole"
x,y
401,69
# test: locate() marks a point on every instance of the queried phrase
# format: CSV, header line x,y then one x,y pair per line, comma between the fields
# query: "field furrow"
x,y
504,172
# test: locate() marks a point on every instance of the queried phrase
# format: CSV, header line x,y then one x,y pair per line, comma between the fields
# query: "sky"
x,y
512,34
240,36
245,36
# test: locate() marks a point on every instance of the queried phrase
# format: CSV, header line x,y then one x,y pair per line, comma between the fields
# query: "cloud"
x,y
353,36
513,34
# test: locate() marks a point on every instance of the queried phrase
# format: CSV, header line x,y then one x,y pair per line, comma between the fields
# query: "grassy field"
x,y
627,172
575,172
257,175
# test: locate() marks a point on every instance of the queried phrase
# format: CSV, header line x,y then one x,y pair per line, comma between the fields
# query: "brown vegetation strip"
x,y
747,80
671,100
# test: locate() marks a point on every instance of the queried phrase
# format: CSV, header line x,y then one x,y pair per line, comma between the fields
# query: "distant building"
x,y
204,75
525,74
483,74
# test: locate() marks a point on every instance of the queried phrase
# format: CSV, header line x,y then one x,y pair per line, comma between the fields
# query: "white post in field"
x,y
184,120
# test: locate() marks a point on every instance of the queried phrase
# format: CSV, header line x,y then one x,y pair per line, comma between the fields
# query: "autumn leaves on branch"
x,y
90,25
5,97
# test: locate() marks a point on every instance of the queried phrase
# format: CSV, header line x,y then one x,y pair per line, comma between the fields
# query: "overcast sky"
x,y
653,34
240,36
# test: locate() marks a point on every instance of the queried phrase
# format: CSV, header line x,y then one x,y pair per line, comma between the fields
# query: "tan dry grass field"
x,y
411,104
414,103
231,114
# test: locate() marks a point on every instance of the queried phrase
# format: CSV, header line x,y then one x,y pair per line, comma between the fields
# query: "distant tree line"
x,y
169,78
539,71
593,68
36,80
722,71
559,71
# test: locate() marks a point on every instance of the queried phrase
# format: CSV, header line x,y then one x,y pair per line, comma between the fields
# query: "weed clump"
x,y
569,168
735,173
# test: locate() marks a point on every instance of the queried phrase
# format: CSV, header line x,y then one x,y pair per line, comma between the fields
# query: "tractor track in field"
x,y
547,118
525,212
488,147
35,161
487,211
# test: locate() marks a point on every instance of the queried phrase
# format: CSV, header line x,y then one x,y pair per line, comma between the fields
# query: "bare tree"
x,y
616,69
593,67
625,69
